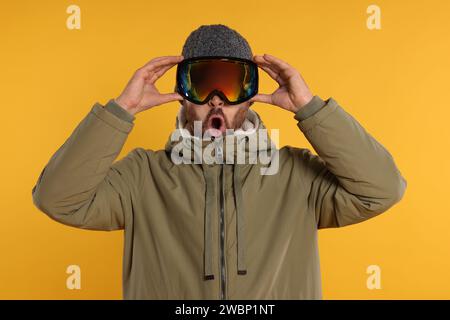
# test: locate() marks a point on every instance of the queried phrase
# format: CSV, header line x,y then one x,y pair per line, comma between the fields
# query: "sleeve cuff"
x,y
113,107
101,113
310,108
323,113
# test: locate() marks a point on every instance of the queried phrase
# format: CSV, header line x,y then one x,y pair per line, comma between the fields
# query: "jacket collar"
x,y
244,145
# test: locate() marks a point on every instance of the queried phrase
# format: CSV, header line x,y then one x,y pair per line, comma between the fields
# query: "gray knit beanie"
x,y
216,40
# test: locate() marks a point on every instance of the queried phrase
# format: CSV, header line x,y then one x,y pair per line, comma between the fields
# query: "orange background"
x,y
394,81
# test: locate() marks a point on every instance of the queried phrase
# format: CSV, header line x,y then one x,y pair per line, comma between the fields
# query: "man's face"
x,y
215,115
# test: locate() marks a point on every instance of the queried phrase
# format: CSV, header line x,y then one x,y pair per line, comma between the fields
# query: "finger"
x,y
163,62
283,73
264,98
269,69
158,73
168,97
276,62
155,63
260,60
148,72
160,58
273,74
148,64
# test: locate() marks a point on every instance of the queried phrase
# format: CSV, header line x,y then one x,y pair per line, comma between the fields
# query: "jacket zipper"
x,y
222,231
222,237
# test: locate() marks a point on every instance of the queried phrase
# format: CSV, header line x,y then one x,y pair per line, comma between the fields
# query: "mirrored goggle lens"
x,y
235,79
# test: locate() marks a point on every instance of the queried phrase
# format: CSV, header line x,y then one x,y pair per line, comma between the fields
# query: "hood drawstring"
x,y
209,198
240,225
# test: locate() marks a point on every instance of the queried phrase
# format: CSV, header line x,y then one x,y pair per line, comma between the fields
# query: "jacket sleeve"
x,y
81,186
353,177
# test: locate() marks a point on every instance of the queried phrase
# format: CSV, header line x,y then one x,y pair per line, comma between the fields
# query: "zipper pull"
x,y
219,153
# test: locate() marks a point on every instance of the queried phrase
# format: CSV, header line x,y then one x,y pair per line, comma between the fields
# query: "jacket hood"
x,y
247,145
234,145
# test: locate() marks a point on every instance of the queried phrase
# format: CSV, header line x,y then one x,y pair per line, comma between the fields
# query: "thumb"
x,y
168,97
264,98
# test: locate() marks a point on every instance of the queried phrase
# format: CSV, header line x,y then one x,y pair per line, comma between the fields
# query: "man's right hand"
x,y
141,93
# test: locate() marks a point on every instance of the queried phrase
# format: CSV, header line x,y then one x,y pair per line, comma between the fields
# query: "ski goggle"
x,y
235,80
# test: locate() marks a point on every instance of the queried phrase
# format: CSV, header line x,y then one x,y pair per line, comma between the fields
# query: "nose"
x,y
216,101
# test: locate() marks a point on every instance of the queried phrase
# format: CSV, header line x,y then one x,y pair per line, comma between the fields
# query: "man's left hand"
x,y
292,93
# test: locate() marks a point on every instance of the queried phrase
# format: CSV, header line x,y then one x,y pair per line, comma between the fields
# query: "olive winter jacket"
x,y
216,229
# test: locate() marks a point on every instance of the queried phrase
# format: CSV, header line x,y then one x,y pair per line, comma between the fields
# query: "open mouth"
x,y
216,125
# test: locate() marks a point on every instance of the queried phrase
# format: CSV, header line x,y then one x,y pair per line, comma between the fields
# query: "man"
x,y
219,230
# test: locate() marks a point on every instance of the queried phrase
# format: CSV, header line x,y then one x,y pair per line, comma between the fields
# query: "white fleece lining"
x,y
249,126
